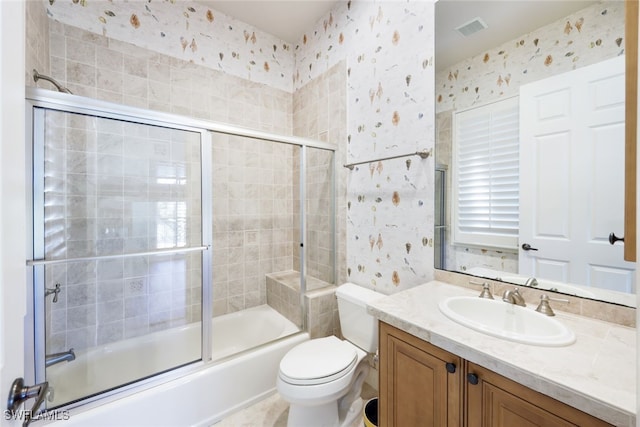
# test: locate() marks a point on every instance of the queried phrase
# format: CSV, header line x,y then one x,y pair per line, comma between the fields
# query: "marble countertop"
x,y
596,374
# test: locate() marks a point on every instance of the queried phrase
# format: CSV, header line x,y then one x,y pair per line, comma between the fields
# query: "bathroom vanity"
x,y
421,383
434,371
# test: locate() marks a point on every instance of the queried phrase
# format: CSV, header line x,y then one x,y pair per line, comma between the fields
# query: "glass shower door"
x,y
256,292
320,256
118,251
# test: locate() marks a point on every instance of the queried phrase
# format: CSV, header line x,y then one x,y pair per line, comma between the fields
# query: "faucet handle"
x,y
545,308
486,289
55,291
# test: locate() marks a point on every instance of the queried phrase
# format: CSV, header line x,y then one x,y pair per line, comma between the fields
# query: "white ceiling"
x,y
506,21
286,19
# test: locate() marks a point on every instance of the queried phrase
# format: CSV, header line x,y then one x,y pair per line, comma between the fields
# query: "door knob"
x,y
451,368
527,247
613,238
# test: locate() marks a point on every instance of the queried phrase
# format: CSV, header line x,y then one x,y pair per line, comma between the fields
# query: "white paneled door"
x,y
572,177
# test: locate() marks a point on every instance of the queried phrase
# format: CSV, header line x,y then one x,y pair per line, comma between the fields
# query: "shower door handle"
x,y
20,393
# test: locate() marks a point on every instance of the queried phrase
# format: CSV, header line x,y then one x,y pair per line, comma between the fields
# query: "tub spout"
x,y
52,359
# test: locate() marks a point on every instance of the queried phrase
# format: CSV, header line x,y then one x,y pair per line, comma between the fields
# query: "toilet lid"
x,y
318,361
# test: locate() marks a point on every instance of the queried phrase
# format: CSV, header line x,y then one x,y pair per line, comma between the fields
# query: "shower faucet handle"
x,y
55,291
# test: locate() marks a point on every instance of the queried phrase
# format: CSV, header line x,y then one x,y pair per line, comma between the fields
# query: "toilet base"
x,y
313,416
324,415
354,414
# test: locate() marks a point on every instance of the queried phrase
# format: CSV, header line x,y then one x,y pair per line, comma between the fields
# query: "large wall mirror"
x,y
530,144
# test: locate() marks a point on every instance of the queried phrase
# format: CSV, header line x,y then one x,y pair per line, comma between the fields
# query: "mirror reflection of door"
x,y
571,162
521,47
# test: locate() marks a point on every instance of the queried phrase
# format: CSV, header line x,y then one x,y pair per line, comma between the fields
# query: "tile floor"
x,y
273,411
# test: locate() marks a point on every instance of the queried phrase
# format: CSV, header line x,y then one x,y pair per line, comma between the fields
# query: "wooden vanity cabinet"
x,y
496,401
420,384
420,387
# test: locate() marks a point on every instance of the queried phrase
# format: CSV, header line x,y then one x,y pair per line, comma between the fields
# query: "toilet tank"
x,y
357,326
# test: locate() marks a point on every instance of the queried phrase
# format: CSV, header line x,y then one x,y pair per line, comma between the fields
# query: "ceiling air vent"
x,y
473,26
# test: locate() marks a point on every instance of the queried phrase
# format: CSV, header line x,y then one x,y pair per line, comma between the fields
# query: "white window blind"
x,y
486,178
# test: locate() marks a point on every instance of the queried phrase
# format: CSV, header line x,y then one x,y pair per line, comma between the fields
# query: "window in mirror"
x,y
486,179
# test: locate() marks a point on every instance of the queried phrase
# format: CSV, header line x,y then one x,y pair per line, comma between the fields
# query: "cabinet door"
x,y
495,401
420,385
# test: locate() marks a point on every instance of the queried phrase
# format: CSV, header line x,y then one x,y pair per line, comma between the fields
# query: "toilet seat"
x,y
318,361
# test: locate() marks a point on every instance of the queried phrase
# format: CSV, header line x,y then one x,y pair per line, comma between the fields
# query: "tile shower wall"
x,y
253,205
99,201
319,253
37,41
96,66
103,68
319,112
583,38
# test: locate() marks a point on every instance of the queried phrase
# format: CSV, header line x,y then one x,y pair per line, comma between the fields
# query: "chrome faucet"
x,y
512,296
55,291
52,359
531,281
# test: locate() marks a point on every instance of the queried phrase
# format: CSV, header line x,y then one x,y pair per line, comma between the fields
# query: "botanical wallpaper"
x,y
389,52
390,203
583,38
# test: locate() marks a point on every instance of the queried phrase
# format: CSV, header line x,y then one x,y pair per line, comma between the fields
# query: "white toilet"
x,y
322,378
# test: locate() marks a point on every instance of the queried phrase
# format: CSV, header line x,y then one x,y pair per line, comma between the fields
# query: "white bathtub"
x,y
199,398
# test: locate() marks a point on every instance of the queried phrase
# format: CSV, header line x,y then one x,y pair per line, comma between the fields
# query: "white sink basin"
x,y
507,321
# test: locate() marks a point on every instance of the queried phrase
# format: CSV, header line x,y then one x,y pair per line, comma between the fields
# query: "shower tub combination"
x,y
125,252
259,337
